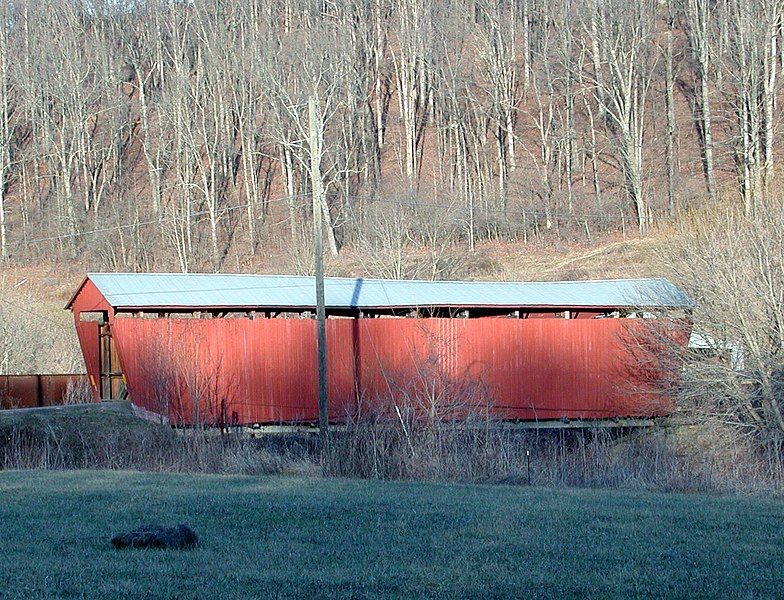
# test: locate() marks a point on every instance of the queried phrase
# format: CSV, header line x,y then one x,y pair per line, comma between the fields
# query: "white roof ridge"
x,y
383,280
194,290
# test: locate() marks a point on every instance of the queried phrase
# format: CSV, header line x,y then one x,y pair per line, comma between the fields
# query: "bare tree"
x,y
145,57
669,104
6,113
462,122
497,50
697,26
749,83
733,265
624,89
414,81
542,117
319,70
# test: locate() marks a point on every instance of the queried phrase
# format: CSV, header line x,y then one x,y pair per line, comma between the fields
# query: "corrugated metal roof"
x,y
178,290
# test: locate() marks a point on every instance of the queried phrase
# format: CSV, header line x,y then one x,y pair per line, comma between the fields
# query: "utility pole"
x,y
318,252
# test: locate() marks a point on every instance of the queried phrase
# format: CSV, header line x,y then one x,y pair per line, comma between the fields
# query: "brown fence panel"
x,y
29,391
18,391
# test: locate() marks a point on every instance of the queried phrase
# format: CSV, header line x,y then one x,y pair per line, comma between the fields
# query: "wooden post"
x,y
318,253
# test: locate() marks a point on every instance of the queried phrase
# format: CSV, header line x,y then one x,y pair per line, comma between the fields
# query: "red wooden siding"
x,y
89,299
263,370
87,332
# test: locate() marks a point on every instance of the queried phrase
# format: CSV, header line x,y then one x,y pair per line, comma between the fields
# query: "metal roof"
x,y
186,290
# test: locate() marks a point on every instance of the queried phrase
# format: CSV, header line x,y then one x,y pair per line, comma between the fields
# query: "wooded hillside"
x,y
166,135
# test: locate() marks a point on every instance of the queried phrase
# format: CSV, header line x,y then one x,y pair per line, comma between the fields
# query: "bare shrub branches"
x,y
733,265
75,445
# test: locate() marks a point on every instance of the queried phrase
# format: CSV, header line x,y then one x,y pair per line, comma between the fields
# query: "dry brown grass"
x,y
391,447
659,459
36,334
109,437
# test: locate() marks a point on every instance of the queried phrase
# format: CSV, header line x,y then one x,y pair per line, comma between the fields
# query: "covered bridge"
x,y
242,348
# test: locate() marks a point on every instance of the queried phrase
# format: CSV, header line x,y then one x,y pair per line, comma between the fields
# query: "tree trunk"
x,y
670,109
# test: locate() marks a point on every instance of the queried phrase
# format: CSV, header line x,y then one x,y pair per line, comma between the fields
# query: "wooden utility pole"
x,y
318,252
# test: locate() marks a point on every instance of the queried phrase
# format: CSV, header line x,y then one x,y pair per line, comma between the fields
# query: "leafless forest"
x,y
159,134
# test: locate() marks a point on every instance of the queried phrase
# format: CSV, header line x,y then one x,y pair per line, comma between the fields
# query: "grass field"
x,y
291,537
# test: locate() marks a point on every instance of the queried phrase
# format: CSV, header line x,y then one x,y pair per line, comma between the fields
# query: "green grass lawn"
x,y
291,537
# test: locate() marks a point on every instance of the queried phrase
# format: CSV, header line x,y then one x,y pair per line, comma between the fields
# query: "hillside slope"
x,y
37,334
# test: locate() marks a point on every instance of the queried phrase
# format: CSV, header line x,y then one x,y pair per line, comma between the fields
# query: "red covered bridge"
x,y
242,348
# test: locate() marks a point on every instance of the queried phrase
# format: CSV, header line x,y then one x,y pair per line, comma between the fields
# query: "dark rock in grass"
x,y
178,537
